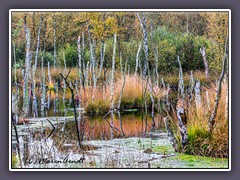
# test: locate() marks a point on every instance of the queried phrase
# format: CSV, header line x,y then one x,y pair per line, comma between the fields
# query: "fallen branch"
x,y
74,107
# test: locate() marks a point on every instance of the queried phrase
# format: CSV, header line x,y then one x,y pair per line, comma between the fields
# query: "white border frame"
x,y
122,10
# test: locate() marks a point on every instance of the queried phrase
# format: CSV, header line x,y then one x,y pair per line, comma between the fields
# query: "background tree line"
x,y
169,33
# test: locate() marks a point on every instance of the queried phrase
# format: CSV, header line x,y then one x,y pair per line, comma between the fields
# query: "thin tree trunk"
x,y
83,52
102,54
79,59
226,106
38,42
121,66
167,98
203,52
50,83
198,95
192,86
181,83
145,41
124,80
137,58
218,95
112,73
182,121
15,68
92,60
156,63
43,96
54,42
170,134
34,104
27,69
74,108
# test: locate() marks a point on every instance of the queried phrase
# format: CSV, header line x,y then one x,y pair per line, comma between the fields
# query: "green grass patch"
x,y
201,161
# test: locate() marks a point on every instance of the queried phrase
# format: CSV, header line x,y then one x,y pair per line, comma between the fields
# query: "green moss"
x,y
201,161
162,149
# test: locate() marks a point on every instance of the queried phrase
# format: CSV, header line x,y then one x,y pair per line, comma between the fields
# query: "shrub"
x,y
71,56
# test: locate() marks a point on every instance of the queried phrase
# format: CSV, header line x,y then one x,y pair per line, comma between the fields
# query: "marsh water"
x,y
124,140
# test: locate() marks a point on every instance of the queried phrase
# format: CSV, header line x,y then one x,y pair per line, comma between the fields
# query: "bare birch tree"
x,y
38,42
27,69
198,95
145,41
203,52
218,91
54,42
137,58
112,73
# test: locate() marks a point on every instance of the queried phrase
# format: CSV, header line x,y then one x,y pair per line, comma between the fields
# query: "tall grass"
x,y
201,142
132,96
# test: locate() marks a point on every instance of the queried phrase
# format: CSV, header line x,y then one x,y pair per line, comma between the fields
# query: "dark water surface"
x,y
38,139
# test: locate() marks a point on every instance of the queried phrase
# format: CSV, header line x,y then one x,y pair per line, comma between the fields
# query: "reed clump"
x,y
200,140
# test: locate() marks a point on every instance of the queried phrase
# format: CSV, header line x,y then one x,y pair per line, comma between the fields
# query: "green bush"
x,y
187,46
71,56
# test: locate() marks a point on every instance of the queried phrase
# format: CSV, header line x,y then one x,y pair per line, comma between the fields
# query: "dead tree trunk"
x,y
156,64
112,73
92,59
181,82
137,58
27,69
50,83
34,104
182,122
181,115
79,59
54,42
167,98
170,134
102,54
38,42
203,52
124,80
145,41
226,106
74,108
198,95
218,95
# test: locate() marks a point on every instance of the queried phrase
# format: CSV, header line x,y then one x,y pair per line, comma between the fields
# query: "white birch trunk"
x,y
34,104
54,42
198,95
203,52
112,73
38,42
79,58
102,55
50,83
181,82
170,134
156,64
182,121
145,41
214,113
137,58
27,69
167,98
